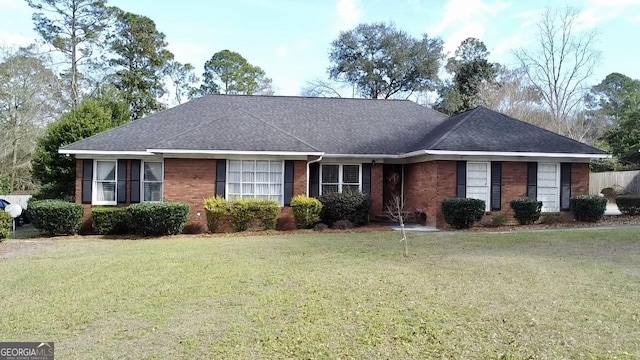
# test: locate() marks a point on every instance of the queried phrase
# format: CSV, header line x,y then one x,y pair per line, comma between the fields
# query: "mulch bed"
x,y
614,220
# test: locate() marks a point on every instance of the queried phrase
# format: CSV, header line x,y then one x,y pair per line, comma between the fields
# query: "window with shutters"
x,y
152,181
255,179
478,180
548,186
340,177
104,183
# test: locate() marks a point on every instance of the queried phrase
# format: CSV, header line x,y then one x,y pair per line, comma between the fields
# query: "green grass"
x,y
562,294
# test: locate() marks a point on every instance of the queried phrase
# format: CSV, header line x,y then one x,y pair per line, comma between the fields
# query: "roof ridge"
x,y
309,97
453,128
277,128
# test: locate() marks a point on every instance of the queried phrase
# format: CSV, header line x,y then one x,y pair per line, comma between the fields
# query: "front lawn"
x,y
560,294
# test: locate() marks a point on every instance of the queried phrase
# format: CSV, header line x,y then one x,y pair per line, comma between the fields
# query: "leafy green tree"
x,y
470,68
624,138
141,59
382,61
57,172
616,94
228,72
74,28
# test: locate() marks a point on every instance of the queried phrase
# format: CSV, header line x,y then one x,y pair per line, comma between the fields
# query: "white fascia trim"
x,y
234,152
360,156
514,154
104,152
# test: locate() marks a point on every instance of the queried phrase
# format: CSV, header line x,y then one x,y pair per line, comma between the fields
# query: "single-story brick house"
x,y
275,147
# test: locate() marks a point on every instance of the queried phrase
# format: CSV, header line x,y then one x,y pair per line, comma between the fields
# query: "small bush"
x,y
6,225
526,211
628,204
343,225
347,205
157,218
588,207
216,208
306,211
320,227
551,218
56,217
461,213
245,212
498,219
109,220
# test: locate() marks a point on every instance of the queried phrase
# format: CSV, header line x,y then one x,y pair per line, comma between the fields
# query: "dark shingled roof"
x,y
329,125
482,129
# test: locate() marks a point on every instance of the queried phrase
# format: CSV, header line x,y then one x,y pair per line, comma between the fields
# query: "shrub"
x,y
588,207
6,225
157,218
306,211
526,211
217,208
286,223
628,204
551,218
462,213
498,219
56,217
245,212
109,220
343,225
347,205
320,227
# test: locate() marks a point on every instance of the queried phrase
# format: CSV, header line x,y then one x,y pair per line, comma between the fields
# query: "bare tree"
x,y
396,212
321,88
562,63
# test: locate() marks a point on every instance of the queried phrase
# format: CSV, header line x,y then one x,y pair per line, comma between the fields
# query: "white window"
x,y
548,186
152,181
478,175
104,185
255,179
339,177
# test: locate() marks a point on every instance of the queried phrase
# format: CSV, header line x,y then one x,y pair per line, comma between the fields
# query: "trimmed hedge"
x,y
461,213
217,208
157,218
6,225
245,212
56,217
109,220
306,211
526,211
347,205
588,207
628,204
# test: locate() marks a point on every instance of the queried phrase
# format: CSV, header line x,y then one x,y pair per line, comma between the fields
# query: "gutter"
x,y
309,163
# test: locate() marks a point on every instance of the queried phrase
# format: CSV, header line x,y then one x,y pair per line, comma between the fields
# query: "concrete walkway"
x,y
612,209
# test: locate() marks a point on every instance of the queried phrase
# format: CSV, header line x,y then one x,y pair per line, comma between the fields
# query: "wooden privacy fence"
x,y
627,180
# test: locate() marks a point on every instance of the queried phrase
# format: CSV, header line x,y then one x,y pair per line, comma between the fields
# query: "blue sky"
x,y
290,39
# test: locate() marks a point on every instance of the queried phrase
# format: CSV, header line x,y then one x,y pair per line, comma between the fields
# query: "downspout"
x,y
309,163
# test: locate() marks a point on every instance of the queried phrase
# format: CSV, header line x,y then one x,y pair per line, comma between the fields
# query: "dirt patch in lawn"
x,y
17,248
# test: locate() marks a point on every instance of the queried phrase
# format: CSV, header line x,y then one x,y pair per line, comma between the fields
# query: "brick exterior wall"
x,y
190,181
377,182
299,177
514,184
579,179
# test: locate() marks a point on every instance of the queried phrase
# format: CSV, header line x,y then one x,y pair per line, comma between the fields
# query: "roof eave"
x,y
234,152
509,154
104,152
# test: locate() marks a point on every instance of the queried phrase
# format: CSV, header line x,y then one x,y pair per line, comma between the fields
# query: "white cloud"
x,y
15,39
348,14
465,18
192,53
13,5
599,11
282,51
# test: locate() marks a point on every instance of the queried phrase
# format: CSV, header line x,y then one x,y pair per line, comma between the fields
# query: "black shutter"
x,y
314,180
496,185
532,180
135,181
461,189
288,182
366,178
565,186
221,177
122,181
87,180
